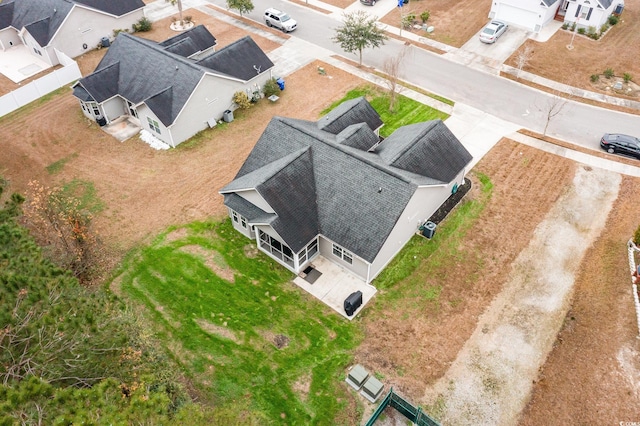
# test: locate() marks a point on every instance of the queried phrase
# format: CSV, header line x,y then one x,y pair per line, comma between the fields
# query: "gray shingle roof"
x,y
242,59
249,210
195,40
358,136
318,184
6,13
43,17
426,150
605,3
141,70
113,7
356,110
549,2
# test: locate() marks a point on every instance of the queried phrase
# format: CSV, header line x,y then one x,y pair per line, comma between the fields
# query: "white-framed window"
x,y
153,125
276,248
308,252
342,254
237,218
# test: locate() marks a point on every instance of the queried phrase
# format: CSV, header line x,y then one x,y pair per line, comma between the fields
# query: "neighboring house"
x,y
161,89
332,188
70,26
533,15
528,14
589,13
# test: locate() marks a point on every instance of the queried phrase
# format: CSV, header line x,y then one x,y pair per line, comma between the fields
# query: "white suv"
x,y
277,18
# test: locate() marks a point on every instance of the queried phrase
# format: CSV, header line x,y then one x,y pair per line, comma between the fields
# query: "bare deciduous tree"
x,y
392,67
522,59
551,108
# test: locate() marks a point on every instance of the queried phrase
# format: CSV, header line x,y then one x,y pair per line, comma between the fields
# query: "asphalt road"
x,y
576,122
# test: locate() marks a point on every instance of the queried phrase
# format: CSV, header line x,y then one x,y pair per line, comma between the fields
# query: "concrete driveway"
x,y
490,56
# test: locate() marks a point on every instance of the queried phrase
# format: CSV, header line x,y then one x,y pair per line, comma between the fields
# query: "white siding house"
x,y
332,188
168,88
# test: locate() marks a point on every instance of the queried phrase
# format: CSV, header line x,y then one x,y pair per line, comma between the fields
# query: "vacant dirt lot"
x,y
591,375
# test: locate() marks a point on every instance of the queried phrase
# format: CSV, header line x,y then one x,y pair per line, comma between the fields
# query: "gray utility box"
x,y
357,376
227,116
104,41
429,229
372,389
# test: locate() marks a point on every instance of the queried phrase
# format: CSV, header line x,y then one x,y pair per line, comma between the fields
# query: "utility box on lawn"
x,y
227,116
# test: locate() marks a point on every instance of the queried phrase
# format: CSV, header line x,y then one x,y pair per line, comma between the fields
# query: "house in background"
x,y
332,188
589,13
70,26
159,88
533,15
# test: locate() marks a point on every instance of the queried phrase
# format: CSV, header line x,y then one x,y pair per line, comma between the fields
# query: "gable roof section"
x,y
358,136
40,31
242,59
113,7
192,41
349,112
549,2
426,150
6,14
144,71
100,85
605,3
42,18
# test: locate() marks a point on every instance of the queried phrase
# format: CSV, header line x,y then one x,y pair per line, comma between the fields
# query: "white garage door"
x,y
518,17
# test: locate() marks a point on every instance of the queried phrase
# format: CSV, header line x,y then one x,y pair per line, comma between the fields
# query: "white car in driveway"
x,y
493,31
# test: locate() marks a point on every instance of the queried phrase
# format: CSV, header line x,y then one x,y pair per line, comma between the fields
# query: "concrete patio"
x,y
17,63
334,285
122,128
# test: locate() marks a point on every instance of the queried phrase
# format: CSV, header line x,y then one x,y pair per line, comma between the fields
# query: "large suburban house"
x,y
70,26
175,88
533,15
333,188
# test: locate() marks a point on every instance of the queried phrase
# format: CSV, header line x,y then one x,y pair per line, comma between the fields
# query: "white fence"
x,y
40,87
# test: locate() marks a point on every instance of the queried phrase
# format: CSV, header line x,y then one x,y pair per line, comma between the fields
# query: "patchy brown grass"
x,y
592,375
455,21
617,50
411,344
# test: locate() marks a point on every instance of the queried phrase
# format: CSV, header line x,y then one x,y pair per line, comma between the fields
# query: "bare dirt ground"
x,y
589,376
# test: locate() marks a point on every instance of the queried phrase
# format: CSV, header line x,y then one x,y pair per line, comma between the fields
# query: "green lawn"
x,y
407,110
223,330
223,309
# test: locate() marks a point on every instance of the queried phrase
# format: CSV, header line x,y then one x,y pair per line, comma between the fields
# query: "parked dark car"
x,y
621,144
